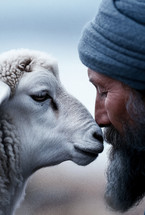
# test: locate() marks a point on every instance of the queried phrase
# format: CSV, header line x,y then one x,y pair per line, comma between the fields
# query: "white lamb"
x,y
40,123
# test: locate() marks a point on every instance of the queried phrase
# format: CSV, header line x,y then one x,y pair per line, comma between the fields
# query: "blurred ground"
x,y
68,189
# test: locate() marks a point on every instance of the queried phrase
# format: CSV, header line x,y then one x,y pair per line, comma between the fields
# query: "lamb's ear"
x,y
5,92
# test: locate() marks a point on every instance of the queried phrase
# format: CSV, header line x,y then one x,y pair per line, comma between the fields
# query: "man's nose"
x,y
101,115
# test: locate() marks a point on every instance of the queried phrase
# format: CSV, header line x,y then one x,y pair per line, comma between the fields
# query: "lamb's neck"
x,y
11,180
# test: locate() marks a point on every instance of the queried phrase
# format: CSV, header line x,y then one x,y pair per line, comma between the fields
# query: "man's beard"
x,y
126,172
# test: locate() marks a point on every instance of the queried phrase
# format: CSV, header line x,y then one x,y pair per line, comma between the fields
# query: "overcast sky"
x,y
33,19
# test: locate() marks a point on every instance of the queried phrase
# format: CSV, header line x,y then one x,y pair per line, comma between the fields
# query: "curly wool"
x,y
9,161
14,63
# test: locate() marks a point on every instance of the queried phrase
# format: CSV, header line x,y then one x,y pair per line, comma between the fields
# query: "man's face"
x,y
111,98
122,114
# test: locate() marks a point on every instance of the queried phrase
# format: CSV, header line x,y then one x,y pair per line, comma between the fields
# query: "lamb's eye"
x,y
41,97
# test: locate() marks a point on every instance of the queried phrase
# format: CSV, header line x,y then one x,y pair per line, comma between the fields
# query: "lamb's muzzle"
x,y
91,144
40,123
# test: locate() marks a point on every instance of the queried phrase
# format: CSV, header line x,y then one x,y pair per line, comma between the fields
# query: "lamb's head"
x,y
41,124
51,125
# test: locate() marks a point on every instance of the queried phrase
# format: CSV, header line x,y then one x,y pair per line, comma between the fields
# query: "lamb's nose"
x,y
92,141
97,136
97,139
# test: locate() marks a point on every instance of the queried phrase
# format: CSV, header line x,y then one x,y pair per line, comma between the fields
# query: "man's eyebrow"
x,y
95,81
90,79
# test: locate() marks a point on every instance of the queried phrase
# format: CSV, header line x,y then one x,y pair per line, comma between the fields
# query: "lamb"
x,y
40,123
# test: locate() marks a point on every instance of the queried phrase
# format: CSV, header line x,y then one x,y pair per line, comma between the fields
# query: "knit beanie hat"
x,y
114,42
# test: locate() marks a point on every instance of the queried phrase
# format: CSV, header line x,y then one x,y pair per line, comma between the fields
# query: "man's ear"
x,y
5,92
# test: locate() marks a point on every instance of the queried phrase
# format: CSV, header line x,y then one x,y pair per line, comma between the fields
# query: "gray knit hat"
x,y
114,42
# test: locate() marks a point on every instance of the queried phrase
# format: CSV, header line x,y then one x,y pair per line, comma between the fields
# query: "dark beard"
x,y
126,172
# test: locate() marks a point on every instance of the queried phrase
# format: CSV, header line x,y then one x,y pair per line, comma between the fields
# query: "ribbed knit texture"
x,y
114,42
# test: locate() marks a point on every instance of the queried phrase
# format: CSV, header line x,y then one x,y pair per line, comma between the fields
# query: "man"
x,y
112,46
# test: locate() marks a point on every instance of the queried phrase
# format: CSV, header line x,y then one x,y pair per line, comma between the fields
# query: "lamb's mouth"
x,y
87,152
91,149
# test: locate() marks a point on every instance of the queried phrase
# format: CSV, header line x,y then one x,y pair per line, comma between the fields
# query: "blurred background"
x,y
54,26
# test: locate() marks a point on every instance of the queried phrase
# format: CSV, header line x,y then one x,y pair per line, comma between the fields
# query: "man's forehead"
x,y
99,78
